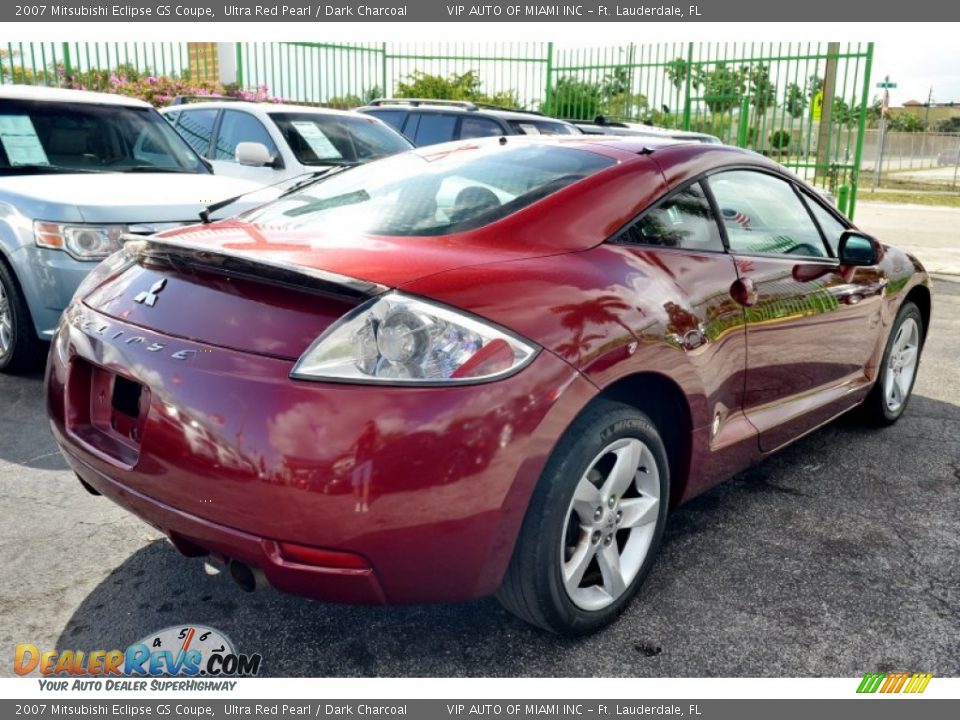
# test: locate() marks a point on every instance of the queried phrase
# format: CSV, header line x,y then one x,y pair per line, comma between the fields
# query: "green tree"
x,y
465,86
948,125
906,122
723,87
762,90
676,71
795,101
574,99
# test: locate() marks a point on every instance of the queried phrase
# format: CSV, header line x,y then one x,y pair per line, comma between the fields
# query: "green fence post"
x,y
843,198
861,131
67,67
743,124
686,90
383,69
548,89
239,56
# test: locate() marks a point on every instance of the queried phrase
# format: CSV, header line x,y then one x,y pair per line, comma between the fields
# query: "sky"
x,y
916,66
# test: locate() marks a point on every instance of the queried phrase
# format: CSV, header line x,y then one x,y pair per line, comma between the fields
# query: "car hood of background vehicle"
x,y
115,197
388,261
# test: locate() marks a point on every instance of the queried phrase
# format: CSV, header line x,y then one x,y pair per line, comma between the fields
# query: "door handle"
x,y
744,291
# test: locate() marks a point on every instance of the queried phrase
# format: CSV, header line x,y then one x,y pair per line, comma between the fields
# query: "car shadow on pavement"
x,y
782,570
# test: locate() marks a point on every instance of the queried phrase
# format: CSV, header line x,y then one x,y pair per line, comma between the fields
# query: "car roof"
x,y
257,107
49,94
466,108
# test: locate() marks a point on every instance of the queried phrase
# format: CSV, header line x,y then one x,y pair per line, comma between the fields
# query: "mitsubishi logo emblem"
x,y
149,297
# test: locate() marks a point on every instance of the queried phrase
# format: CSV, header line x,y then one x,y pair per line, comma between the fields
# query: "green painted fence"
x,y
804,104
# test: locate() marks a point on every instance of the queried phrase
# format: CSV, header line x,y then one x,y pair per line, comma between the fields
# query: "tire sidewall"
x,y
563,479
907,310
12,294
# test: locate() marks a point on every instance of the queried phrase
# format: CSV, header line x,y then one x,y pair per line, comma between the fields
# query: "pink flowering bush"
x,y
158,90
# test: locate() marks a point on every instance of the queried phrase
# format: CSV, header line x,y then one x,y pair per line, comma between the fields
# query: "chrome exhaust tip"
x,y
250,579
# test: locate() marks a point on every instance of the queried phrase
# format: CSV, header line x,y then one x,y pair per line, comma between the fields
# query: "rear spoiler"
x,y
193,256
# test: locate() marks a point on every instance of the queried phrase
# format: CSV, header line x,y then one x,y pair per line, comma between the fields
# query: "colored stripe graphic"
x,y
894,682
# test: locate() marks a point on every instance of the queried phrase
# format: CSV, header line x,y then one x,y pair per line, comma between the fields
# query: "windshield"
x,y
333,139
39,137
445,192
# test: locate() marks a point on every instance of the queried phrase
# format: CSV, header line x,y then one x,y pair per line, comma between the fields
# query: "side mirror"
x,y
857,249
253,154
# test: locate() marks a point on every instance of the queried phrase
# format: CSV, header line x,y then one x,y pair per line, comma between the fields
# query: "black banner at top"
x,y
310,11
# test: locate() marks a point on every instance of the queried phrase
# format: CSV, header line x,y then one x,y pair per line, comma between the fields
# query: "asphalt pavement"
x,y
837,557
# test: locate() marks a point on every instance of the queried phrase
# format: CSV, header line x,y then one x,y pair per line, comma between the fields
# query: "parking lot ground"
x,y
837,557
929,232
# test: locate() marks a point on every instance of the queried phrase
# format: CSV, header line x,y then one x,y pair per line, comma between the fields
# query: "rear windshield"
x,y
437,194
324,139
46,137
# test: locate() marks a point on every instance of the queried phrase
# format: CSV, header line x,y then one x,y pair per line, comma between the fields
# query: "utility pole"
x,y
886,85
926,128
822,165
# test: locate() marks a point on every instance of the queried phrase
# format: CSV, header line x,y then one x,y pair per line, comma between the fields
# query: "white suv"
x,y
269,143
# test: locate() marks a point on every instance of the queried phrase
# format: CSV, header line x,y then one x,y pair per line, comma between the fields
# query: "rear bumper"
x,y
194,536
427,485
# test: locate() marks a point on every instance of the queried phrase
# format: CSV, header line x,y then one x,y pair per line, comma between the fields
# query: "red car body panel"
x,y
230,455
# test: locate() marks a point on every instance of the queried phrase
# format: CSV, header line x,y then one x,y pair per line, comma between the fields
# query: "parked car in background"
x,y
78,172
485,367
428,122
602,126
269,143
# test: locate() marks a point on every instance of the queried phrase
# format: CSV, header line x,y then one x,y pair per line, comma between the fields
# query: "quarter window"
x,y
237,127
762,214
684,220
474,127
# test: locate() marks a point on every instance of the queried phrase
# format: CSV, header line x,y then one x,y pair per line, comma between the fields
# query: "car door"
x,y
811,323
237,126
678,250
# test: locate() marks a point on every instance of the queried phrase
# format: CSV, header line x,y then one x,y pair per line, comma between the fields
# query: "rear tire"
x,y
890,394
20,348
594,525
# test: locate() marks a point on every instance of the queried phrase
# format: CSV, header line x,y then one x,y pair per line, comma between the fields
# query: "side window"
x,y
171,117
832,227
762,214
684,220
196,127
435,128
393,118
237,127
474,127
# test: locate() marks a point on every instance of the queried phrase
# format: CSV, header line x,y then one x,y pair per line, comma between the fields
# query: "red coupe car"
x,y
477,368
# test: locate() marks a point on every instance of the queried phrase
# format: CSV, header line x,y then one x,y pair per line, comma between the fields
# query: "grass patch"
x,y
913,198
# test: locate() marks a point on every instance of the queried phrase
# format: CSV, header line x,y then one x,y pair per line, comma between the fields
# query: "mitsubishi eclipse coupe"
x,y
478,368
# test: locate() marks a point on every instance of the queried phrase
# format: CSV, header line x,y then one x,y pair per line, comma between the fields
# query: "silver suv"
x,y
79,171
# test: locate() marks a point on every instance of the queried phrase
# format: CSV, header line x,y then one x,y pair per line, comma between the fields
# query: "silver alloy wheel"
x,y
6,322
901,365
610,524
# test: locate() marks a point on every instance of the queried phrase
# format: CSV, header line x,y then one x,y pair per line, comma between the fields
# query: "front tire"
x,y
890,394
20,349
594,525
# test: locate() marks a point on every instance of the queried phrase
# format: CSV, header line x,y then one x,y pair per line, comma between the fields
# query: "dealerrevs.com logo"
x,y
180,651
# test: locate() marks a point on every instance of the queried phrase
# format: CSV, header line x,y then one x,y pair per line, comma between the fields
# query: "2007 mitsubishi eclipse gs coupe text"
x,y
477,368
